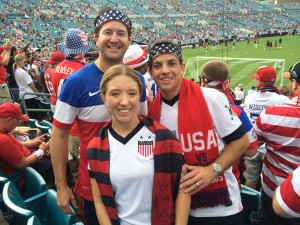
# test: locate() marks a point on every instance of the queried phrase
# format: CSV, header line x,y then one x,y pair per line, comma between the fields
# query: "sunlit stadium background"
x,y
186,22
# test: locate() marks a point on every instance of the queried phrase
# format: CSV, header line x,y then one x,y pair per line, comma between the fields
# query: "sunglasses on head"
x,y
293,74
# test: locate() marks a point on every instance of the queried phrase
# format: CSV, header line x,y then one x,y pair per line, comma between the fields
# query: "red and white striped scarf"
x,y
194,119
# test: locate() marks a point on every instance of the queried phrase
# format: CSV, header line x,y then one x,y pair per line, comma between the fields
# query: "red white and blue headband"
x,y
113,15
164,48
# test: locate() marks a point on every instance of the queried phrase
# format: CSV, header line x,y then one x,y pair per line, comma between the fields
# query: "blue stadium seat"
x,y
44,104
33,221
31,123
53,214
44,126
251,202
34,183
43,206
15,202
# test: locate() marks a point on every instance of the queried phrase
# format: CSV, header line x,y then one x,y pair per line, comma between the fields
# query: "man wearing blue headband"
x,y
211,134
80,100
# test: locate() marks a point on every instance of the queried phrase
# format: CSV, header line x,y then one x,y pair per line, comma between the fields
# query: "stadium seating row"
x,y
34,204
238,14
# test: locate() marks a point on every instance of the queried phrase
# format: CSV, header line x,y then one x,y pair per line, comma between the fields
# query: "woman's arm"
x,y
101,212
182,205
33,88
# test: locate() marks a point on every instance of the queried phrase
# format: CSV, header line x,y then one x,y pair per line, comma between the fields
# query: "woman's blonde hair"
x,y
18,58
115,71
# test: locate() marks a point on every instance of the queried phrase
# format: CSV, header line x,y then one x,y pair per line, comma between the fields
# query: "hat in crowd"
x,y
135,56
265,74
61,47
44,60
76,42
2,49
294,72
12,110
56,57
37,49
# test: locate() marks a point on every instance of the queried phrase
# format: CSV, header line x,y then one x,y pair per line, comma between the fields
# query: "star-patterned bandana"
x,y
111,15
164,48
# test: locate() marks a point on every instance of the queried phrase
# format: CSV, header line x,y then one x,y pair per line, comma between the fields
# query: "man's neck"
x,y
103,65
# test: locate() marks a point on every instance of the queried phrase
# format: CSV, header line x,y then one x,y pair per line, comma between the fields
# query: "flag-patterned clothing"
x,y
278,127
288,194
80,99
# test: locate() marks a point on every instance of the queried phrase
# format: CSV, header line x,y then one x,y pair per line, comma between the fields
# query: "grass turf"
x,y
289,50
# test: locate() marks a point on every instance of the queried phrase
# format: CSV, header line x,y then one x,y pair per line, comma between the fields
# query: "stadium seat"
x,y
44,126
13,177
31,123
43,206
34,183
53,214
15,203
251,202
44,104
33,221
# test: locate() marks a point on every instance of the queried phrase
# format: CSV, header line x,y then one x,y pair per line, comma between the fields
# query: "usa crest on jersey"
x,y
145,146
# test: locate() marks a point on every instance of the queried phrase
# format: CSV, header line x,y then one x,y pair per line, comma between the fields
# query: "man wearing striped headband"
x,y
212,137
215,74
112,36
80,101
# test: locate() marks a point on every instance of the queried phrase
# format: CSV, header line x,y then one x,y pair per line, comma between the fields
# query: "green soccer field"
x,y
289,51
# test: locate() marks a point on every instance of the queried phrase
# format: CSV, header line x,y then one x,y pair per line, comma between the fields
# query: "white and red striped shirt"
x,y
278,127
288,194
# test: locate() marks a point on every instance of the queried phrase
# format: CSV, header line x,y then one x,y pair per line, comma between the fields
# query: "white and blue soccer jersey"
x,y
151,84
80,99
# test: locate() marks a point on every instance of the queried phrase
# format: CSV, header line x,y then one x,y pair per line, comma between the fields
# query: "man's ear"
x,y
149,71
96,37
182,67
103,98
295,85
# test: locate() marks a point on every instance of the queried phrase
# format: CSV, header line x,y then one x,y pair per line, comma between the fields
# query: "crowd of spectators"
x,y
182,21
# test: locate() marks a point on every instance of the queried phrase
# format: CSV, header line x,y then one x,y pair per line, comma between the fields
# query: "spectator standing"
x,y
76,45
208,162
35,70
278,127
11,81
239,94
26,86
137,58
4,59
265,95
80,100
55,59
215,75
252,90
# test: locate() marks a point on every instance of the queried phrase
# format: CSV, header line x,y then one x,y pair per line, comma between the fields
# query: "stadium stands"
x,y
45,21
